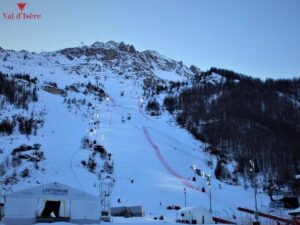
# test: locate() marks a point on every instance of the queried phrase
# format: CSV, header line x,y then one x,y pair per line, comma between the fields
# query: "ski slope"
x,y
153,157
163,155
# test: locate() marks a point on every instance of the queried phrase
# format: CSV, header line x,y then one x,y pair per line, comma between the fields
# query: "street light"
x,y
207,176
209,186
184,192
252,169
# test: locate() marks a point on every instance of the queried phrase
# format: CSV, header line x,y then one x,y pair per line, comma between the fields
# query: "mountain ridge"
x,y
107,91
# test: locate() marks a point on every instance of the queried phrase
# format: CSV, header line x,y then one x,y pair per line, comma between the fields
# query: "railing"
x,y
223,221
276,218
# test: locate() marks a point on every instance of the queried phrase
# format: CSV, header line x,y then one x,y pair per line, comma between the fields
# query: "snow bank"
x,y
169,75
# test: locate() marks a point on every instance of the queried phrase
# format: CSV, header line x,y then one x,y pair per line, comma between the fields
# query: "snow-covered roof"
x,y
295,211
186,209
53,190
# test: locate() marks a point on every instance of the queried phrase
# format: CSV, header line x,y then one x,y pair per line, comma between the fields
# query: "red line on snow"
x,y
165,164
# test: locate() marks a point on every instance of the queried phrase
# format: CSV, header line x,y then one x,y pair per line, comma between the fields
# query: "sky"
x,y
260,38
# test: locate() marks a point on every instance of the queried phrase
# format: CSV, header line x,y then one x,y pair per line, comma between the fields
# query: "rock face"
x,y
120,58
124,58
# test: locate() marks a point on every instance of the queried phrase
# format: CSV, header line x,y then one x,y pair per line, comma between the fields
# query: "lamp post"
x,y
184,192
252,169
207,176
209,186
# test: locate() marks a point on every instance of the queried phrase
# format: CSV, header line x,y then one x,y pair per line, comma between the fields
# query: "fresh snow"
x,y
215,78
169,76
152,151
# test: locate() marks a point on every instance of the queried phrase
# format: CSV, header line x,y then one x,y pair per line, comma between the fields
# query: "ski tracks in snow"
x,y
164,162
183,180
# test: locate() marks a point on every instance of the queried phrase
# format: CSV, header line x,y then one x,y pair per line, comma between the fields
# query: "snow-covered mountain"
x,y
96,96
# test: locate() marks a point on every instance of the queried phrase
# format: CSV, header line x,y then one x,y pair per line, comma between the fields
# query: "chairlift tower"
x,y
105,199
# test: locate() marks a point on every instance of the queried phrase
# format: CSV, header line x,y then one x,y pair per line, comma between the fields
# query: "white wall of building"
x,y
85,209
28,204
25,208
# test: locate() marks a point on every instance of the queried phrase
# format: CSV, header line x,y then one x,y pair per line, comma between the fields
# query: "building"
x,y
130,211
50,203
194,215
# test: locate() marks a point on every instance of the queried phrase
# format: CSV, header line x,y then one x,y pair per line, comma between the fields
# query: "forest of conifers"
x,y
246,119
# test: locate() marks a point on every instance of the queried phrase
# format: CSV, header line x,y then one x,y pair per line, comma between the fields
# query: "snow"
x,y
292,100
169,76
295,211
129,222
215,78
153,151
